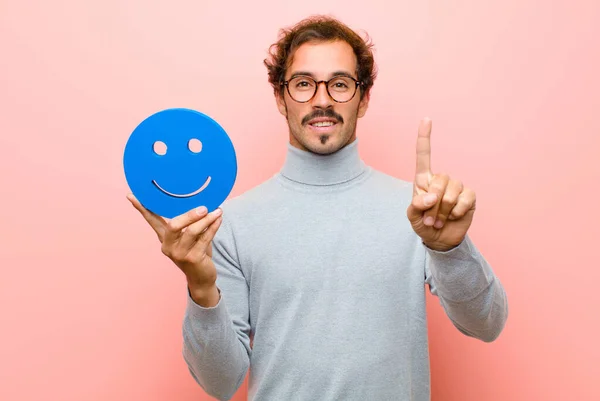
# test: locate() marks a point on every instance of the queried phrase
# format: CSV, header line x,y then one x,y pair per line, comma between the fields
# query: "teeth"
x,y
323,124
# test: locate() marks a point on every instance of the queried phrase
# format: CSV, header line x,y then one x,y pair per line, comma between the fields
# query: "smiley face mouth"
x,y
196,192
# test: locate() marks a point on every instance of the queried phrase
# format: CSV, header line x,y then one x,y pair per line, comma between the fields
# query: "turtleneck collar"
x,y
313,169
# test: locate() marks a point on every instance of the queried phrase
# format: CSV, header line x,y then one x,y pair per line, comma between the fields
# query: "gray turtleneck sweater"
x,y
323,282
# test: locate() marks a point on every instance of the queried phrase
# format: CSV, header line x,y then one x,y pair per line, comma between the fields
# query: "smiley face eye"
x,y
194,145
160,148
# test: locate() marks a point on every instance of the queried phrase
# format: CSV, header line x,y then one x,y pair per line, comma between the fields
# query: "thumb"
x,y
419,204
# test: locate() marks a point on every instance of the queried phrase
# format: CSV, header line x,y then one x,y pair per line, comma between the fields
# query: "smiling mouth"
x,y
196,192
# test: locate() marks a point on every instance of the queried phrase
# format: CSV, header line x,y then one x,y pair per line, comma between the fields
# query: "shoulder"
x,y
253,203
389,185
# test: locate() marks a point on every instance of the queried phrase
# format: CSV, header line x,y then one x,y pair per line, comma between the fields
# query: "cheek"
x,y
296,114
349,112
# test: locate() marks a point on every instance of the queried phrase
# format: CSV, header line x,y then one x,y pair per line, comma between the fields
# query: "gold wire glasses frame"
x,y
303,88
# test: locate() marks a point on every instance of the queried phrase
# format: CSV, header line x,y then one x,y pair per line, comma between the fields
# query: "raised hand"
x,y
187,241
442,209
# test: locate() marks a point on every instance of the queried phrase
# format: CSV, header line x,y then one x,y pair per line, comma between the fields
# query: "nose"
x,y
321,99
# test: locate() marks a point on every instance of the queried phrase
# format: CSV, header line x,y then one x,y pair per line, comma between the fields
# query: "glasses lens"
x,y
342,88
302,88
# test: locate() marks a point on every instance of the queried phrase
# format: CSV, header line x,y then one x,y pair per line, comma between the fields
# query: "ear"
x,y
279,98
363,105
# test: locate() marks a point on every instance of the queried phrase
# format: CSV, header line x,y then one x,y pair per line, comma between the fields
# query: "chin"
x,y
324,145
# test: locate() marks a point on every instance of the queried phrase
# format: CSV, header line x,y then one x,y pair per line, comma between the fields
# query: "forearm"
x,y
216,354
472,296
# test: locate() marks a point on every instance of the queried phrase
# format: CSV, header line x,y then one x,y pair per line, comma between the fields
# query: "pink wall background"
x,y
91,310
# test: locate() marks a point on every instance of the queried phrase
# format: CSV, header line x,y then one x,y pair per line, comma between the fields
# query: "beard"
x,y
327,143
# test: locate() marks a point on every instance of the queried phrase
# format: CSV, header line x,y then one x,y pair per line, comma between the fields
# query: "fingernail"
x,y
218,212
439,223
201,210
430,199
429,221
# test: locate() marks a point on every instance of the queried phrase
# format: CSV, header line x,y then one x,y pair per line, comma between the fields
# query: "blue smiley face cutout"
x,y
179,159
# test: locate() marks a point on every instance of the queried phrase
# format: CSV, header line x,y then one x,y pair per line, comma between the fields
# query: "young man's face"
x,y
322,125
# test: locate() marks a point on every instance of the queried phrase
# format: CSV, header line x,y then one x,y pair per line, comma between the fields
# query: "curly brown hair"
x,y
319,29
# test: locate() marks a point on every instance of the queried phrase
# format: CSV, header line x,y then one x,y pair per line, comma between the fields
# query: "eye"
x,y
194,145
340,84
302,83
160,148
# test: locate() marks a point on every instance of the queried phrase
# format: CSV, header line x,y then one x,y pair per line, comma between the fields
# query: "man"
x,y
315,279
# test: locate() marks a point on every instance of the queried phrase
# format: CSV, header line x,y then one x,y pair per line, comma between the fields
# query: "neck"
x,y
314,169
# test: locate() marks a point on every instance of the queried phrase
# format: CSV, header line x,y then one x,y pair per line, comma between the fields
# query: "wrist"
x,y
440,247
205,295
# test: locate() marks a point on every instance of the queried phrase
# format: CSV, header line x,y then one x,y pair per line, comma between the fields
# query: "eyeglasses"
x,y
341,89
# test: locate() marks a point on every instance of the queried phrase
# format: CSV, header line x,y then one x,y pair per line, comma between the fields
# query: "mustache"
x,y
322,113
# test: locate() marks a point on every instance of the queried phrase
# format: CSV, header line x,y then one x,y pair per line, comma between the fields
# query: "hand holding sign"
x,y
442,209
181,165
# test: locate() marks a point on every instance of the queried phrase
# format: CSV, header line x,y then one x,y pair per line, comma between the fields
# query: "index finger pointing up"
x,y
424,147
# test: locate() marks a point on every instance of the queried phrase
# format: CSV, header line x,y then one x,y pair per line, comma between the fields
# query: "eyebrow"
x,y
339,73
